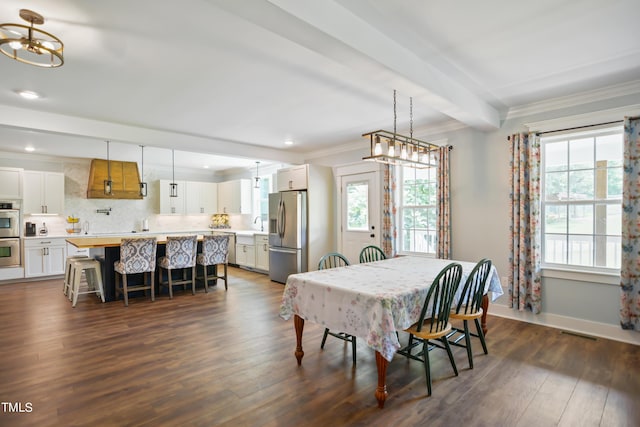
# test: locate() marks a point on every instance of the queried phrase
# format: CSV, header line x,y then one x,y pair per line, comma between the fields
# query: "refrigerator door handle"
x,y
282,250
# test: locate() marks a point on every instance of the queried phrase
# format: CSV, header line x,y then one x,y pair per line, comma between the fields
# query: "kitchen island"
x,y
111,246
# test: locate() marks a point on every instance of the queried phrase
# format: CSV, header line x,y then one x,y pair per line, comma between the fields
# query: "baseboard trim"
x,y
572,324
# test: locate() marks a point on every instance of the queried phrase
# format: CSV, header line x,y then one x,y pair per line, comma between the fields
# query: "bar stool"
x,y
137,256
93,273
180,255
215,251
68,280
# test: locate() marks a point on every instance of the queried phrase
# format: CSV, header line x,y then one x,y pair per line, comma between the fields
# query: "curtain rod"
x,y
580,127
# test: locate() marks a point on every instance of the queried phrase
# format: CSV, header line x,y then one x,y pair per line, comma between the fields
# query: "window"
x,y
418,209
581,199
358,206
261,199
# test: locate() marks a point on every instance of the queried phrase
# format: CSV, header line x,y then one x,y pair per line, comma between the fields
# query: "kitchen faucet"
x,y
261,222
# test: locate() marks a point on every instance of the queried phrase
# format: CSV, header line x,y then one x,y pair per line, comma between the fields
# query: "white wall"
x,y
480,220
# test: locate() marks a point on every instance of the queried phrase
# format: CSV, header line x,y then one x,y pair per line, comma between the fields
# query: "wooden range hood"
x,y
124,175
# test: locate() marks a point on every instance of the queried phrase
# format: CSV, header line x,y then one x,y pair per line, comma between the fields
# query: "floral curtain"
x,y
444,205
630,267
524,246
389,210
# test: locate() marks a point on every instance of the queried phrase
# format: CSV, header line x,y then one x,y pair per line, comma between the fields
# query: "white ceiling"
x,y
226,82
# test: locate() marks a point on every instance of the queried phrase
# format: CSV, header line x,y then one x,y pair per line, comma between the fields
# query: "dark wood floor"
x,y
226,359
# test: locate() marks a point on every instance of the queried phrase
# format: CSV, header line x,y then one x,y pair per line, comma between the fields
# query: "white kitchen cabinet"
x,y
43,192
44,256
11,183
293,178
245,250
201,197
234,197
168,204
262,251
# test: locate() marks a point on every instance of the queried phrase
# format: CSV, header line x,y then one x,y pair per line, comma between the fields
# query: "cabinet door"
x,y
33,190
34,261
53,192
43,192
209,197
55,259
245,255
262,253
192,193
10,183
294,178
234,196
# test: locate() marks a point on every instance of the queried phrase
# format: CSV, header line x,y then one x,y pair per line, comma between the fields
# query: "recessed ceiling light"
x,y
28,94
288,142
206,166
29,149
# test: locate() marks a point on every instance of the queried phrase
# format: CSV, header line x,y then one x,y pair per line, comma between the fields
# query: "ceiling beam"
x,y
32,120
368,45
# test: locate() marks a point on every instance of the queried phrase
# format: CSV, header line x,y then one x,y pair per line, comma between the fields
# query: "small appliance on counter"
x,y
30,229
43,230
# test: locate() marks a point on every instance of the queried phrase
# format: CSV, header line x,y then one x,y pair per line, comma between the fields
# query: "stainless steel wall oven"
x,y
9,235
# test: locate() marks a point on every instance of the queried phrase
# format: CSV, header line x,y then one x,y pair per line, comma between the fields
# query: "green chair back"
x,y
473,290
437,304
371,253
332,260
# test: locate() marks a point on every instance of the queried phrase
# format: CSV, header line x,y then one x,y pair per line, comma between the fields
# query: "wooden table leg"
x,y
485,309
298,322
381,390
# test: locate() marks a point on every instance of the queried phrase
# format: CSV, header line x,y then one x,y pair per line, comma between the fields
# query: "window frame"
x,y
402,207
556,269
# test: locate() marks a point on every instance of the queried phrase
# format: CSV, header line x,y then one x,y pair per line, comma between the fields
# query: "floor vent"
x,y
575,334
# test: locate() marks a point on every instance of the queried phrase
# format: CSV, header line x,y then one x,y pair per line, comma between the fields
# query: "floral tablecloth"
x,y
372,300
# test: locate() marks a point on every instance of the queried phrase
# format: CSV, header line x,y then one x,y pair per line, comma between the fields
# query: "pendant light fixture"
x,y
108,184
401,150
257,178
143,184
173,187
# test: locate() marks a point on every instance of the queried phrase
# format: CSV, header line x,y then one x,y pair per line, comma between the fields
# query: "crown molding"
x,y
578,120
581,98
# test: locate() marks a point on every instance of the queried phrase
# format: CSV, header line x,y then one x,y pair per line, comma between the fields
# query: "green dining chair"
x,y
469,307
371,253
433,323
333,260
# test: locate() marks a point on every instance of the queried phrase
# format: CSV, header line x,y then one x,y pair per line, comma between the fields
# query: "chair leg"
x,y
153,286
76,286
205,269
193,279
125,291
451,359
170,284
353,348
481,336
427,364
225,276
467,340
324,337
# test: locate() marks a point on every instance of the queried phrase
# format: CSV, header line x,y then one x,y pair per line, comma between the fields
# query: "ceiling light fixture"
x,y
257,178
143,184
31,45
173,187
108,184
29,149
28,94
412,152
288,142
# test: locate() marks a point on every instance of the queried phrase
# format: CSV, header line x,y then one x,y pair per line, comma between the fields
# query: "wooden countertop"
x,y
112,241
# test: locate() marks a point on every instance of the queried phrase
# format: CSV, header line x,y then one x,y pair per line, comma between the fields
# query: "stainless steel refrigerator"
x,y
287,234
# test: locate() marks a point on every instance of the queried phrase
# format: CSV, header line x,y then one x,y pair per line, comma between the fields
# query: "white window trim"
x,y
612,279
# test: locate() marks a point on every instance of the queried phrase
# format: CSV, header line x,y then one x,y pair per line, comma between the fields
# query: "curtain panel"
x,y
524,245
389,211
630,265
444,205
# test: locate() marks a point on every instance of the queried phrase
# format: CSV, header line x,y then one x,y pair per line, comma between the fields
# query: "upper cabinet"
x,y
201,197
10,183
293,178
193,198
43,192
234,197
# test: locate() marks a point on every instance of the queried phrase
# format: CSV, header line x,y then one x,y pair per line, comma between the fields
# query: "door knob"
x,y
372,235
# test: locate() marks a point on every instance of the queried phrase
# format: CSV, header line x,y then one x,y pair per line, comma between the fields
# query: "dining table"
x,y
371,301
